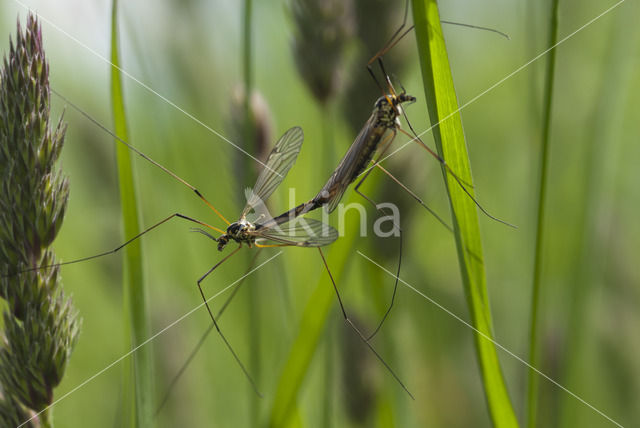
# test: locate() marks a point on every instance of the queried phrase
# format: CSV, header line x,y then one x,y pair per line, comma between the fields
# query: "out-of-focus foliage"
x,y
190,53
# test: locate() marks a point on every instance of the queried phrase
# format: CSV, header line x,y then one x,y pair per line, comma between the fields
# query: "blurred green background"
x,y
191,53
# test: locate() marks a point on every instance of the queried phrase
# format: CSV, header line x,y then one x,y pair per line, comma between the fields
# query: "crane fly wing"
x,y
301,232
278,164
333,194
352,164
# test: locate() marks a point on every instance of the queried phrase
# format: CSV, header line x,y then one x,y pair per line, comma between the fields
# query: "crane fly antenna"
x,y
139,153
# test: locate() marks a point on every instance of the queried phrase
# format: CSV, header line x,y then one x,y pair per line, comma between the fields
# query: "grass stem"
x,y
534,352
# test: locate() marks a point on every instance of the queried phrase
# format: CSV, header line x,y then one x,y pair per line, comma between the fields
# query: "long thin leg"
x,y
477,27
393,40
414,196
138,152
222,336
421,143
395,285
271,245
376,163
204,336
352,325
119,247
458,179
385,146
399,33
390,44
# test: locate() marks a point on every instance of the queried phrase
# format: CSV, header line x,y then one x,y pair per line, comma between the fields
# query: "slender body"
x,y
302,233
283,230
384,118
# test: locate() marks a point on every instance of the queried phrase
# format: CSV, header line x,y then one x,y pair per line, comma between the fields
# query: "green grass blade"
x,y
449,136
133,285
534,354
311,329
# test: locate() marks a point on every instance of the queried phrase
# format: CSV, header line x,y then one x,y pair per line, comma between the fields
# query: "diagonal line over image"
x,y
498,83
484,336
150,339
144,85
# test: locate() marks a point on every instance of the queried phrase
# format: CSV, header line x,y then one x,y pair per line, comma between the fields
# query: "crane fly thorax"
x,y
388,109
240,231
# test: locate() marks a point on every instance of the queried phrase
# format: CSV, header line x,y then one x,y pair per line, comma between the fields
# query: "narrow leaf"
x,y
450,141
534,340
133,284
311,329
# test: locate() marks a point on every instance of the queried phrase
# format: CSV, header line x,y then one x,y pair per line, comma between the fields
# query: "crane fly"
x,y
286,229
296,232
376,135
281,231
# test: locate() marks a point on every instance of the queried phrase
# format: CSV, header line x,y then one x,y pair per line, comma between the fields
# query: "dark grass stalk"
x,y
534,340
40,324
328,405
327,163
327,145
374,22
134,291
250,132
250,122
322,30
451,145
531,26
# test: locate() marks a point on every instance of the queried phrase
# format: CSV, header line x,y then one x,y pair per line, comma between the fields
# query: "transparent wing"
x,y
278,164
301,232
352,164
333,194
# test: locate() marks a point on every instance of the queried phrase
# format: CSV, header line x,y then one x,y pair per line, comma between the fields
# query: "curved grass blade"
x,y
449,137
308,337
135,305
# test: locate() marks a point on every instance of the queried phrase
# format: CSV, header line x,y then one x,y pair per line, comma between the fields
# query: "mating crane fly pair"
x,y
303,232
289,228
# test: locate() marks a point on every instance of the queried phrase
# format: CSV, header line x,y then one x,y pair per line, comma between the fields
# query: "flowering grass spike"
x,y
40,324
